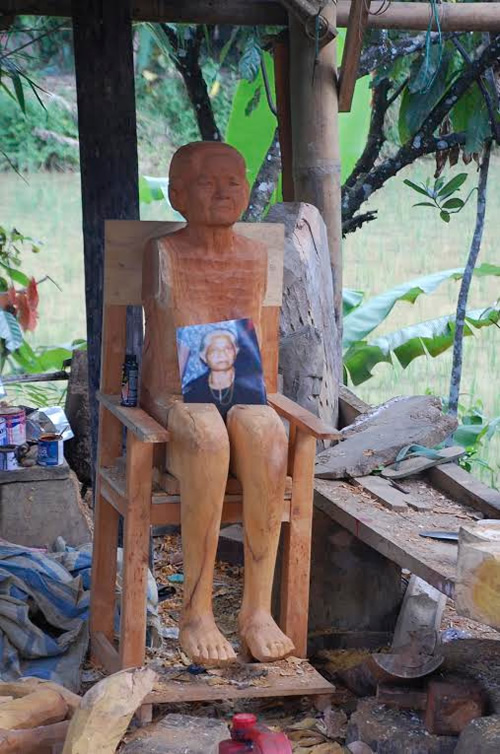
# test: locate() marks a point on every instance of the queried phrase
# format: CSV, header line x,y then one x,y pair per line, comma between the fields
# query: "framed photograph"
x,y
220,363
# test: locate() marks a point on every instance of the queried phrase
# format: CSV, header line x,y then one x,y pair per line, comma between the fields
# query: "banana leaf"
x,y
429,338
365,318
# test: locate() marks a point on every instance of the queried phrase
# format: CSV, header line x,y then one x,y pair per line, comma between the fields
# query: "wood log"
x,y
106,711
481,16
41,707
33,741
477,589
25,686
310,357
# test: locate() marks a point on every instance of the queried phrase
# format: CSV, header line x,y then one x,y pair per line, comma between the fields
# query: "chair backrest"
x,y
125,241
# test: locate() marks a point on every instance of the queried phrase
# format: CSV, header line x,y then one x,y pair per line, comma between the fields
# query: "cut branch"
x,y
456,370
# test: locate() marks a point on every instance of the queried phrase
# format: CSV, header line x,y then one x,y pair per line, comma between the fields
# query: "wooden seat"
x,y
131,487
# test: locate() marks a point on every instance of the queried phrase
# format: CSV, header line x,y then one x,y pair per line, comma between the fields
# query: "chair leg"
x,y
297,546
102,595
136,552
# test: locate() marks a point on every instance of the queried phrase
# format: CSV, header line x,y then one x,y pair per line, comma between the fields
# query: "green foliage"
x,y
474,433
426,338
441,195
21,139
430,338
470,115
417,104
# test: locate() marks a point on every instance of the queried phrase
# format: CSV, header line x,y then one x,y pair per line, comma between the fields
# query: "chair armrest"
x,y
136,420
302,418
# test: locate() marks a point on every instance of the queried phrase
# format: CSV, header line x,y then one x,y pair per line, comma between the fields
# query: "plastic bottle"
x,y
248,736
130,380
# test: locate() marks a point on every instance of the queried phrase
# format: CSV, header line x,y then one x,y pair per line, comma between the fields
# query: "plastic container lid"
x,y
244,721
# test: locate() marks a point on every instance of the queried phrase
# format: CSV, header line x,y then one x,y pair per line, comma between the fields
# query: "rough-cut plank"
x,y
106,711
394,535
376,437
303,419
358,20
385,493
33,740
270,683
135,419
310,355
421,611
41,707
416,464
478,572
461,485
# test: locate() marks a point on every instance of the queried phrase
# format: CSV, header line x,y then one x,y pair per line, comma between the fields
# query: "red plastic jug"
x,y
248,736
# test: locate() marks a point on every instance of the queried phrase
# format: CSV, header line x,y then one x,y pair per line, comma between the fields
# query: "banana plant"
x,y
430,338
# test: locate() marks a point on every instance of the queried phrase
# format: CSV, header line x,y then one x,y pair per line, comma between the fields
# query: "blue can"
x,y
50,450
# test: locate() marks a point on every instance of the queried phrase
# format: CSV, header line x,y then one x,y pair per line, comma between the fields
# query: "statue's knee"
x,y
200,428
262,432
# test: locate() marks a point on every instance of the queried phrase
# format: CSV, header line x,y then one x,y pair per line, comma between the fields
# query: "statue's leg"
x,y
258,458
198,455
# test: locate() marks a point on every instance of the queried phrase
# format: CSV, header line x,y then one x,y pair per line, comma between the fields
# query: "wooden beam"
x,y
102,35
316,149
410,16
358,20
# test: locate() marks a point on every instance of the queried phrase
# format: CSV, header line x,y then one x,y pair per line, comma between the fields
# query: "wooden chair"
x,y
126,487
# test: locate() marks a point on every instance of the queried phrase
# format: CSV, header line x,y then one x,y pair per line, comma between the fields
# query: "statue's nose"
x,y
222,190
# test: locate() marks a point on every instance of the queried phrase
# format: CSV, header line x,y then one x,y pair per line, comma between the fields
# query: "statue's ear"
x,y
176,198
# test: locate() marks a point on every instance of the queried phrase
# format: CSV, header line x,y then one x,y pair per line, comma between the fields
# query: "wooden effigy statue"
x,y
206,273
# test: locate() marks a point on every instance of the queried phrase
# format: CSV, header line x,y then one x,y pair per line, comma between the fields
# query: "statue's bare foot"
x,y
265,641
203,643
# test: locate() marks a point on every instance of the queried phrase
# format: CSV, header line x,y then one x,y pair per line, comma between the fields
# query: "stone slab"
x,y
481,736
35,474
376,437
178,734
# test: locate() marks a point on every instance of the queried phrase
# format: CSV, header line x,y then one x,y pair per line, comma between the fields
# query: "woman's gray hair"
x,y
211,335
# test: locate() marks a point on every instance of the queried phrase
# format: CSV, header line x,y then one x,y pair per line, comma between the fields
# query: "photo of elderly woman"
x,y
220,363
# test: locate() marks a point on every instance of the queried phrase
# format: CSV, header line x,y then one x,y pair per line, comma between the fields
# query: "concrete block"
x,y
41,505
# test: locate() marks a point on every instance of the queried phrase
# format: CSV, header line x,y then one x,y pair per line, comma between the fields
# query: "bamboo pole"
x,y
316,156
409,16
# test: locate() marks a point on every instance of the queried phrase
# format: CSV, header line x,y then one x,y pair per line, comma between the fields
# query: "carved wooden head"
x,y
208,183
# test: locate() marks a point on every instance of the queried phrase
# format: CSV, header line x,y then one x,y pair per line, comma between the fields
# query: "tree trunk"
x,y
108,148
310,361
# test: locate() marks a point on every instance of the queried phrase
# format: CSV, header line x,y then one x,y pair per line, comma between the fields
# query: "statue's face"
x,y
221,354
214,193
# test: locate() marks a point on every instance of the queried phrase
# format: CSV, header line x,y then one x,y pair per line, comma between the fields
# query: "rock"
x,y
78,451
481,736
179,734
376,437
358,747
391,731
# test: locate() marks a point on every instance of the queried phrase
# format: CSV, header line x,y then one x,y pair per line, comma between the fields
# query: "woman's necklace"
x,y
225,395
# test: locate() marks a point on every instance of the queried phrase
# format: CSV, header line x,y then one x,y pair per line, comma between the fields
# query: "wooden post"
x,y
108,147
281,53
316,159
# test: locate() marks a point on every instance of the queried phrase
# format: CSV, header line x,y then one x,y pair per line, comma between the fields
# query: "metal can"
x,y
8,458
15,424
3,431
50,450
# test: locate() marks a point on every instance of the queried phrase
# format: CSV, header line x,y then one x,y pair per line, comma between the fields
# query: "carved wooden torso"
x,y
189,285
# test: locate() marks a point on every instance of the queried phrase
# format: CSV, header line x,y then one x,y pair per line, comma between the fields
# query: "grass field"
x,y
403,243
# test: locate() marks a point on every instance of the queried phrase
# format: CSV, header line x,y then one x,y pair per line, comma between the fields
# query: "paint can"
x,y
50,450
8,458
15,424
